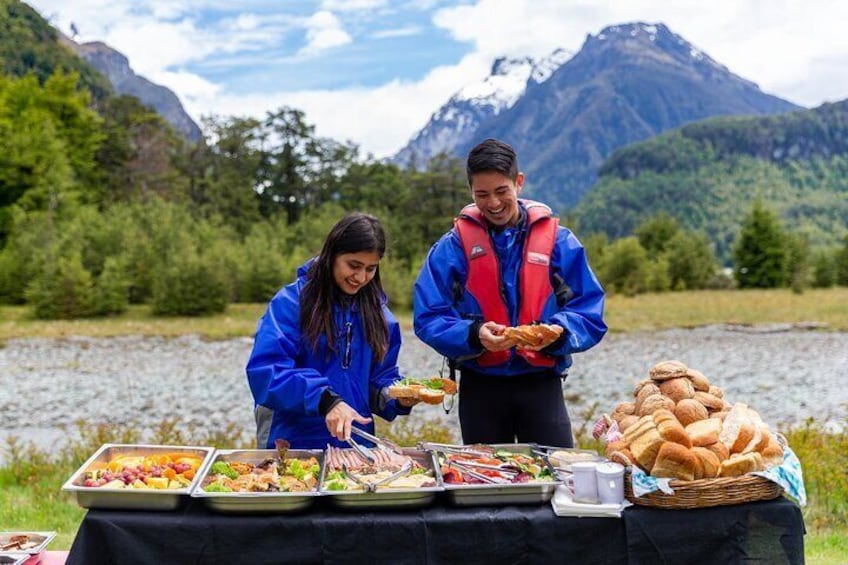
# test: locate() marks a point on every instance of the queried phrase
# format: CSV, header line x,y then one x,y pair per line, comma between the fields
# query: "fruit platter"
x,y
255,481
496,474
138,477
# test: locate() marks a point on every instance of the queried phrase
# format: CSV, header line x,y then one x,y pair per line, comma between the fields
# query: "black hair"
x,y
354,233
492,155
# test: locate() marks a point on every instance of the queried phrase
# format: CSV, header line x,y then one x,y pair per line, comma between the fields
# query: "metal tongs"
x,y
391,446
372,487
455,449
407,467
356,479
363,451
472,473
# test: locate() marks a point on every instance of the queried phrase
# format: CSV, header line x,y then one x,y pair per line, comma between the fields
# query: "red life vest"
x,y
484,276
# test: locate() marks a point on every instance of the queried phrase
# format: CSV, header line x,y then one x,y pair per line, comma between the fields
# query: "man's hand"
x,y
340,418
492,339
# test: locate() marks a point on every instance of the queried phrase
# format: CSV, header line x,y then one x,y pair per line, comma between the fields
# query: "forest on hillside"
x,y
103,204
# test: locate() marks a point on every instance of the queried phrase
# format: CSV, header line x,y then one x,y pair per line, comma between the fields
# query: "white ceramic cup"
x,y
585,482
610,482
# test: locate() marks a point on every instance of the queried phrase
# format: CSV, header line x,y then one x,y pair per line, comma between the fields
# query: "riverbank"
x,y
47,385
825,308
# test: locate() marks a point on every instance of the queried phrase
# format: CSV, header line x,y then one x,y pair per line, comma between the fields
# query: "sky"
x,y
373,71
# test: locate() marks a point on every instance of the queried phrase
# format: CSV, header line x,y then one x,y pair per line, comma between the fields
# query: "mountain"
x,y
115,66
708,174
455,123
29,44
625,84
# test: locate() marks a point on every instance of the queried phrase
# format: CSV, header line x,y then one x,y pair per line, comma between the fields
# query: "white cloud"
x,y
352,5
323,31
796,50
379,120
397,32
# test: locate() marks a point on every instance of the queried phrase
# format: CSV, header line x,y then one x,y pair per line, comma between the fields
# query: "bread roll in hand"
x,y
429,391
535,336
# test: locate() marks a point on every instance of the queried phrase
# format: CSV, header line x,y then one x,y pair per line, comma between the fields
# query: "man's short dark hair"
x,y
492,155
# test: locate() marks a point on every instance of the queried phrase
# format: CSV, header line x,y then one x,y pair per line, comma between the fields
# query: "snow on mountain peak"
x,y
508,80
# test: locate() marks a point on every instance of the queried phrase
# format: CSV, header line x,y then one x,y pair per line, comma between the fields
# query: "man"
x,y
507,262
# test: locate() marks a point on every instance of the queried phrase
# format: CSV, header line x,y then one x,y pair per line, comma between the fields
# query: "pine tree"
x,y
761,253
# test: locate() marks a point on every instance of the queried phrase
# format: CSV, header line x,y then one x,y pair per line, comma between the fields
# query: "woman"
x,y
327,347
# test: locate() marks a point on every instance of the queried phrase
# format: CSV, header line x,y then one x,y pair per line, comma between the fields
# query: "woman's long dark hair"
x,y
354,233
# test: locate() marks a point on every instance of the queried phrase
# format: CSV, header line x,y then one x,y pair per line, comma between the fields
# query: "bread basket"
x,y
704,493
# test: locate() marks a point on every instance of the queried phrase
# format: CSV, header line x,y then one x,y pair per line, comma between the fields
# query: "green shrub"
x,y
624,267
189,285
62,289
110,293
824,270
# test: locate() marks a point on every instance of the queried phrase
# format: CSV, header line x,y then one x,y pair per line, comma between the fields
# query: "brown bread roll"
x,y
649,389
710,402
772,453
677,389
623,409
699,380
627,421
640,385
653,403
645,441
704,432
670,429
690,410
667,370
675,461
623,456
709,462
719,449
740,464
614,446
716,391
719,415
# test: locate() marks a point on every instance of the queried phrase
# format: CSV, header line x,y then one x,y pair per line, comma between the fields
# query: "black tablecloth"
x,y
762,532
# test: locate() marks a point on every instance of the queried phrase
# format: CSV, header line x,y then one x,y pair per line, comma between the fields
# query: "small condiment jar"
x,y
585,482
610,478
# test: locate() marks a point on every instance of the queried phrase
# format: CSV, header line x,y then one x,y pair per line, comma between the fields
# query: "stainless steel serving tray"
x,y
385,497
564,465
256,502
535,492
41,539
14,558
130,498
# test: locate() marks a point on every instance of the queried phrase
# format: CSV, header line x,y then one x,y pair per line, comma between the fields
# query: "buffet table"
x,y
763,532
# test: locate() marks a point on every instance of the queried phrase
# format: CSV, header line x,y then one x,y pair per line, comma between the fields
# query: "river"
x,y
46,385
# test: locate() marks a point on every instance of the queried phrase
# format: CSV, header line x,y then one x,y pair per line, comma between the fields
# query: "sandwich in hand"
x,y
429,391
533,335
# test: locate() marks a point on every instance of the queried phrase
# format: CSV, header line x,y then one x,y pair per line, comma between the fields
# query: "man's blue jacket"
x,y
444,314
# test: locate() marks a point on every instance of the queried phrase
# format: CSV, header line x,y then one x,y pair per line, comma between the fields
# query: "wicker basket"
x,y
703,493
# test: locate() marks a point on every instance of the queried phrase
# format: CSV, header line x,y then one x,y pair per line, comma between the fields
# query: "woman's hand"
x,y
492,339
340,418
408,402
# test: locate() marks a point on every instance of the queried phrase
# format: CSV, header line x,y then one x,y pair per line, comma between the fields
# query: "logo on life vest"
x,y
538,258
477,251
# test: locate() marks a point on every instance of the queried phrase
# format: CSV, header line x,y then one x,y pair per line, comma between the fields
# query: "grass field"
x,y
30,480
623,314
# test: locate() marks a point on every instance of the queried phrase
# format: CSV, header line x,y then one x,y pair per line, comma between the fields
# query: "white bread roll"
x,y
704,432
738,428
675,461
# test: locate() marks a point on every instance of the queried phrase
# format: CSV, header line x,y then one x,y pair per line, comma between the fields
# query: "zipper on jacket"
x,y
348,324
